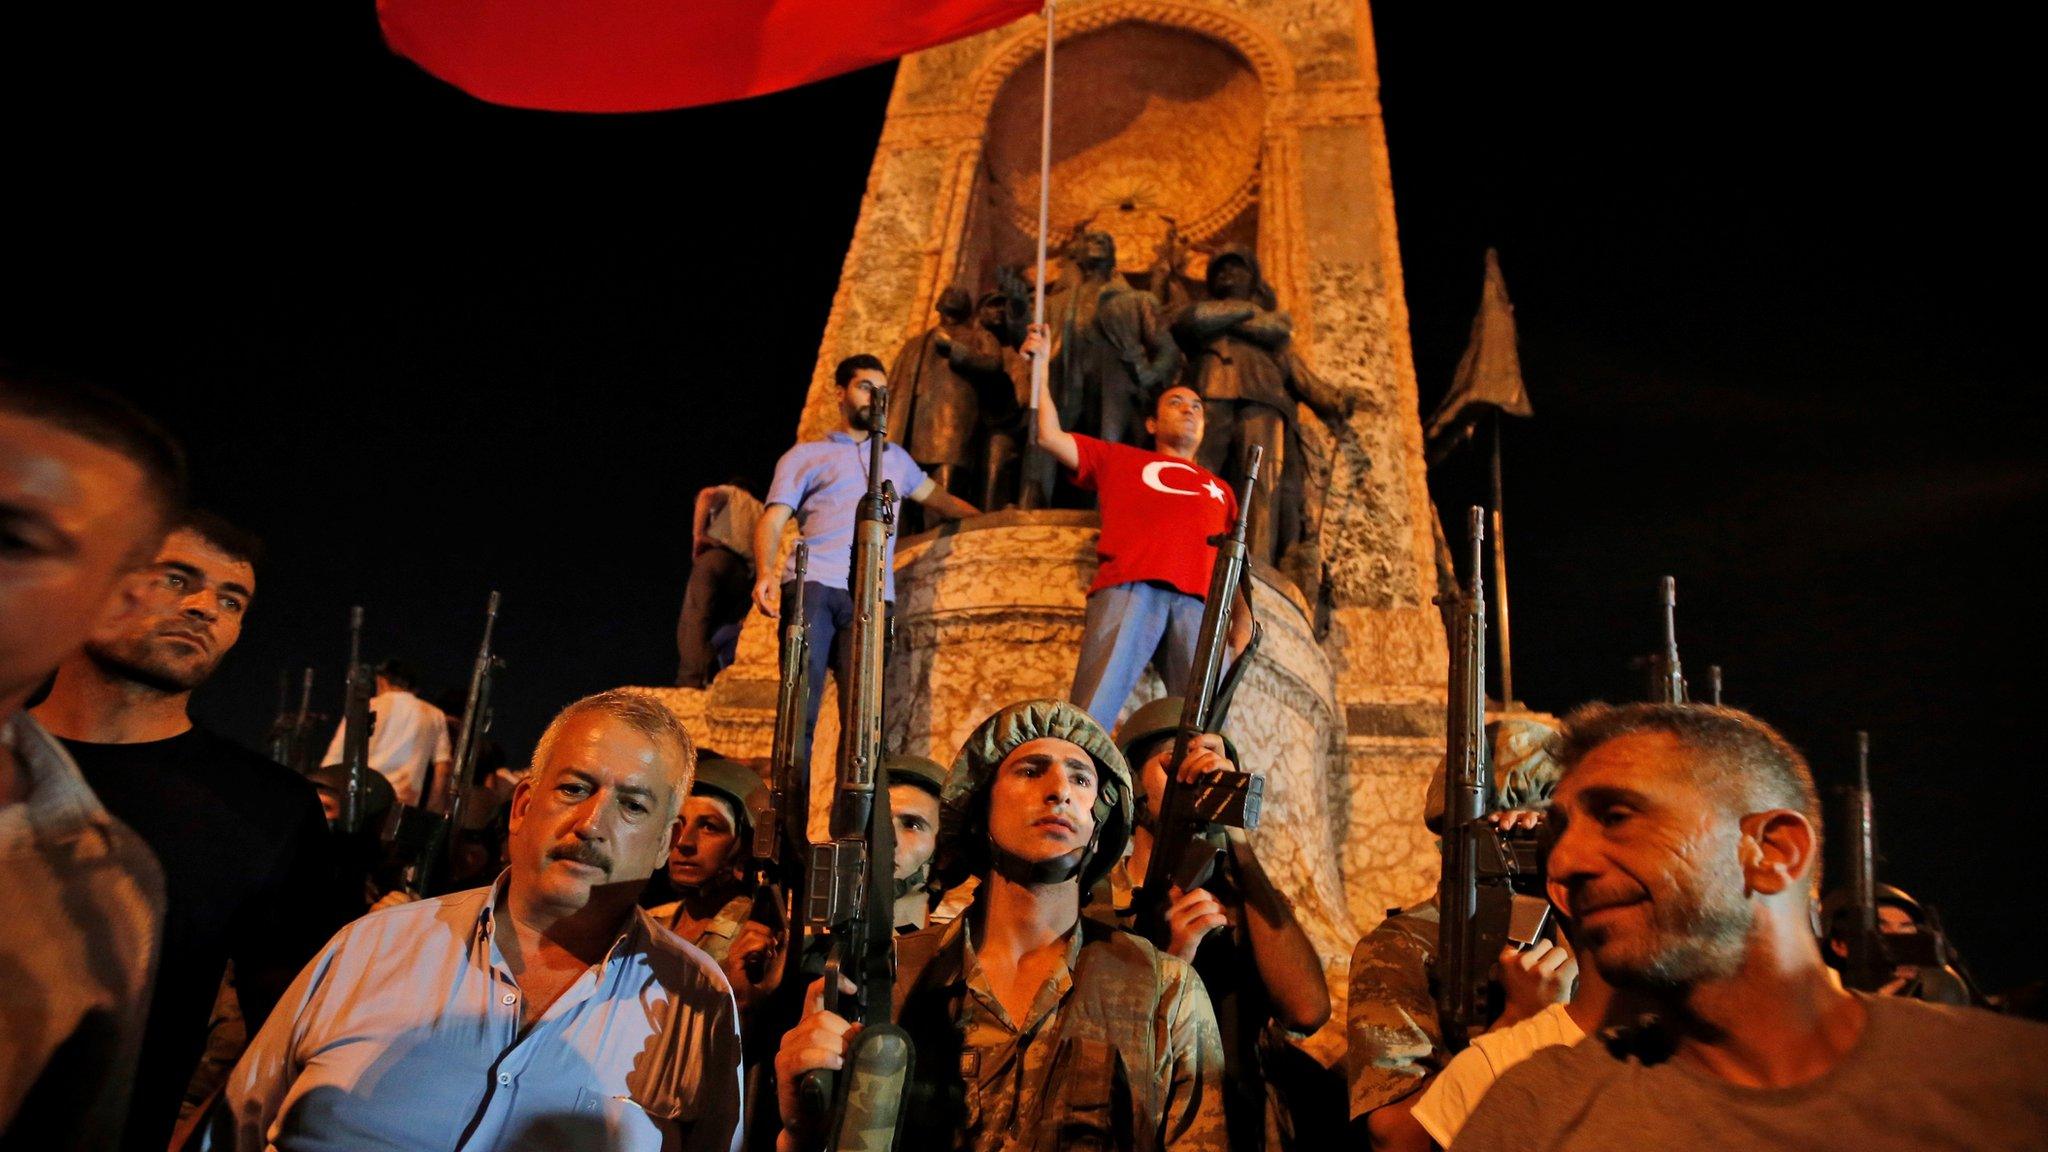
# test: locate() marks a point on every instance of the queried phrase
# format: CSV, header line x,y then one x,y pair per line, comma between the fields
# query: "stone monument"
x,y
1206,124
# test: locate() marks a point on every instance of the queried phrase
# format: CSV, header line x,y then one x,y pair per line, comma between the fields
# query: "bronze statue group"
x,y
1059,935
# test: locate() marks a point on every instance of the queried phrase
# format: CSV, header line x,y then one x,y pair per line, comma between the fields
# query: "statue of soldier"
x,y
988,359
934,413
1110,346
1250,381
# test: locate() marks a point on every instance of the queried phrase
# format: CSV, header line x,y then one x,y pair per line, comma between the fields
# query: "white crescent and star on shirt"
x,y
1155,471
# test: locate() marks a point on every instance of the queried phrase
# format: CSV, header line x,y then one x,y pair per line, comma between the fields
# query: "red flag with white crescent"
x,y
648,55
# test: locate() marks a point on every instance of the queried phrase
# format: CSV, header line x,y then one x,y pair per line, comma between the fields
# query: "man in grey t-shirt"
x,y
1687,855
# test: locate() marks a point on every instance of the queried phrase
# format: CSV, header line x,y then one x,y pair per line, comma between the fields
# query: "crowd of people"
x,y
197,957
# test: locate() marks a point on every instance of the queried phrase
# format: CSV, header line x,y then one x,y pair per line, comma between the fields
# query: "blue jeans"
x,y
1130,626
829,612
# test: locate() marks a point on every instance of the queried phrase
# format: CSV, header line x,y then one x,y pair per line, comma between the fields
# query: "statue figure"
x,y
934,412
989,360
1250,379
1109,346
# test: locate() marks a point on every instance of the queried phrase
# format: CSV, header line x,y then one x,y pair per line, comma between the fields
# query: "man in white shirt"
x,y
409,738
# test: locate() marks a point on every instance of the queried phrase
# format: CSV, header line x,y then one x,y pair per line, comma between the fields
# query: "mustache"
x,y
583,852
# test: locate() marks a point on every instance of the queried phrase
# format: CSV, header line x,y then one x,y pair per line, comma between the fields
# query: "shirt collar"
x,y
60,803
633,935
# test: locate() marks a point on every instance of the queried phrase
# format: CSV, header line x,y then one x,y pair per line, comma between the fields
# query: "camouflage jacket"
x,y
1118,1050
716,937
1390,1016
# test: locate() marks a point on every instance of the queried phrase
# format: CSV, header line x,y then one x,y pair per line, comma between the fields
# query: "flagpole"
x,y
1038,363
1500,576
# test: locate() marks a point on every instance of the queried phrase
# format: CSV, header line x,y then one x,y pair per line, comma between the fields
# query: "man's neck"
x,y
858,435
1777,1022
1177,451
551,936
707,900
94,705
1022,918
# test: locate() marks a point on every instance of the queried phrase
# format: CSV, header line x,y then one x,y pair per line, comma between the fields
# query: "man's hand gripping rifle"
x,y
1189,830
1490,889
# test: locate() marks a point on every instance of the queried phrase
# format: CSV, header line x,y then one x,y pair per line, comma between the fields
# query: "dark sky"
x,y
1769,280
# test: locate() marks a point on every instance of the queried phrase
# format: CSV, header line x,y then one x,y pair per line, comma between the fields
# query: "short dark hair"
x,y
1747,764
90,412
857,362
224,534
398,672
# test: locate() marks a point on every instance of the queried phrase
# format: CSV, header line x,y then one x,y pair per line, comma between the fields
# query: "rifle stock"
x,y
1188,832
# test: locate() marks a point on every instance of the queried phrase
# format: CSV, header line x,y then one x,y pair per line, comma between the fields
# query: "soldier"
x,y
707,867
1035,1027
1390,1016
914,786
1110,346
1242,364
989,359
935,410
1264,978
1687,853
1898,915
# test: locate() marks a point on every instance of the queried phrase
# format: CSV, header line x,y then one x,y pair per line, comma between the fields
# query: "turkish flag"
x,y
647,55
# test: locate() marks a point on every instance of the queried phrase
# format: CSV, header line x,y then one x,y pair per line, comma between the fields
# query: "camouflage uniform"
x,y
716,936
1390,1015
1119,1049
1135,1065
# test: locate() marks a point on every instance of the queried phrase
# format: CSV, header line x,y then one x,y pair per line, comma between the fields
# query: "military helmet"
x,y
1524,771
1835,908
733,781
915,771
963,816
1155,719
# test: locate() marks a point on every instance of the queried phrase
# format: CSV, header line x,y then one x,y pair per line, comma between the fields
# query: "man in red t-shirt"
x,y
1159,511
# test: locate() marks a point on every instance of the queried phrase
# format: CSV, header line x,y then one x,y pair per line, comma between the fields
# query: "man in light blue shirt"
x,y
821,483
545,1011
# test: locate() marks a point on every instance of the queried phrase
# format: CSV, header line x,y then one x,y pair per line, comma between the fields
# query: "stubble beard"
x,y
1696,934
136,662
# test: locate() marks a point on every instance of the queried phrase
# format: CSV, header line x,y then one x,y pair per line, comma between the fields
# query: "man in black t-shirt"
x,y
244,847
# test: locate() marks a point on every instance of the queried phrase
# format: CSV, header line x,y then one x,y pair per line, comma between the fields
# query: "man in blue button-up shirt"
x,y
821,482
545,1011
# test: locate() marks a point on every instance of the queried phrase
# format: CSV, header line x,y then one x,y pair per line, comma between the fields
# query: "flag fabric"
x,y
648,55
1490,373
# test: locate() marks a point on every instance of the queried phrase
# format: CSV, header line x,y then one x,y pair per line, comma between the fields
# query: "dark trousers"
x,y
829,613
720,587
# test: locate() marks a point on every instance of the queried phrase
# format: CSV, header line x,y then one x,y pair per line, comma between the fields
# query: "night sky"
x,y
1771,282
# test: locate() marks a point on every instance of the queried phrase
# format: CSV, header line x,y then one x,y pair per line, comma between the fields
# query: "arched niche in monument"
x,y
1158,131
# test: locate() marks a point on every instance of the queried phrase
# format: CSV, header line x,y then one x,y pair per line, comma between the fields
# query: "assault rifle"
x,y
784,821
1875,955
1192,816
1667,677
356,722
443,818
848,897
1488,892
